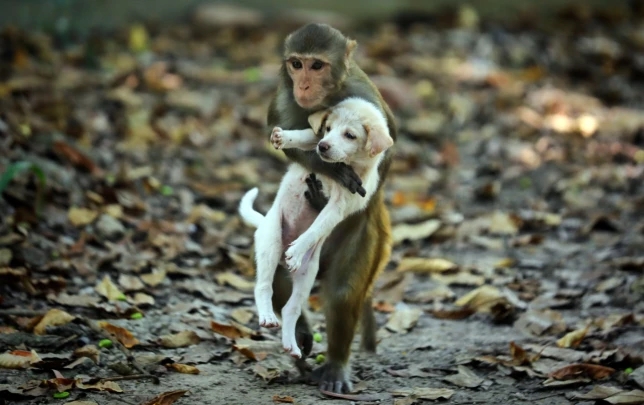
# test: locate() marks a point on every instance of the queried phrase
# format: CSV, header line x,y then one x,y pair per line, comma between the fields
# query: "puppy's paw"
x,y
268,320
277,138
290,345
294,256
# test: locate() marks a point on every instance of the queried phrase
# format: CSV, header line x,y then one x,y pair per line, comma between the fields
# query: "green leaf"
x,y
15,169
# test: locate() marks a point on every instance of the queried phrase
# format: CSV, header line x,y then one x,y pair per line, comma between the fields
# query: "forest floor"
x,y
516,197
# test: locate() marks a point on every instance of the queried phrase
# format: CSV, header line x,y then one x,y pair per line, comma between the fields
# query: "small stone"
x,y
109,227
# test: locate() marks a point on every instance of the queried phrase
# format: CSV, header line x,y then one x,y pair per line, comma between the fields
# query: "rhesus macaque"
x,y
318,72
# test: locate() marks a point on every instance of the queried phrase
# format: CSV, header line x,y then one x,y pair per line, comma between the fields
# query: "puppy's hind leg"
x,y
303,280
268,250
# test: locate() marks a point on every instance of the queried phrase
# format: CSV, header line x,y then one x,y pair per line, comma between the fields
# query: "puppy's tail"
x,y
246,210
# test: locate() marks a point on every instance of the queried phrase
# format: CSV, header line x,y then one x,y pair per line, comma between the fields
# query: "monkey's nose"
x,y
323,146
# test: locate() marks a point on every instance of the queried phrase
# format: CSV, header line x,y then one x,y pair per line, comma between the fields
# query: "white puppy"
x,y
354,132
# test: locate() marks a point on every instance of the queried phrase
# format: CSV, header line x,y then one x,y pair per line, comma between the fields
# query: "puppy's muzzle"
x,y
323,147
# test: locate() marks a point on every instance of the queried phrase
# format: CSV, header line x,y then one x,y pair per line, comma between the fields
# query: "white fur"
x,y
290,208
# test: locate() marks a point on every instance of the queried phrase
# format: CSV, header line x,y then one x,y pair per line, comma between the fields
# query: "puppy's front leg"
x,y
319,230
304,139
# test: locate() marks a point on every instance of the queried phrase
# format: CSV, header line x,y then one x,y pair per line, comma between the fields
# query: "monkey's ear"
x,y
317,119
378,139
351,46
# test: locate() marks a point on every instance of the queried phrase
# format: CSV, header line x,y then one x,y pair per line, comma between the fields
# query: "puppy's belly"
x,y
296,213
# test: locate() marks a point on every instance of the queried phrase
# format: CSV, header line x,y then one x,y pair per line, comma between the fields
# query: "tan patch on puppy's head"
x,y
317,119
378,139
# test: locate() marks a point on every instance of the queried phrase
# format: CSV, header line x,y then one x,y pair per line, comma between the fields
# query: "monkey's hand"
x,y
314,194
277,138
345,175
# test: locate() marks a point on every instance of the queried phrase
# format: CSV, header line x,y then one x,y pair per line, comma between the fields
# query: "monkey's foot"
x,y
277,138
268,320
332,377
290,345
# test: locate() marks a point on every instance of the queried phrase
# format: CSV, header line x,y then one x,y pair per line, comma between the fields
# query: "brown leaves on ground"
x,y
181,339
122,335
584,370
54,317
167,398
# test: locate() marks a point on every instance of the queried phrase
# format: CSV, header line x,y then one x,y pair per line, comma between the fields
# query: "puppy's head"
x,y
352,131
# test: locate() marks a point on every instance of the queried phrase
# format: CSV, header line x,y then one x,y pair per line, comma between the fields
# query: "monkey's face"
x,y
311,79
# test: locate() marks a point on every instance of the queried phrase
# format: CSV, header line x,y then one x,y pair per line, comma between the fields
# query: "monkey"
x,y
317,72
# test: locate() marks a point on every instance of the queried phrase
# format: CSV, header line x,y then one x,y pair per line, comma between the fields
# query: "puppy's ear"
x,y
378,139
317,119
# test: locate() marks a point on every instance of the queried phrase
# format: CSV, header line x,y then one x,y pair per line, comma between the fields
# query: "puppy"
x,y
353,132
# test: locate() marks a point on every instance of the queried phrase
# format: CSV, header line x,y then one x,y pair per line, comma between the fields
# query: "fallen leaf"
x,y
582,370
18,359
86,301
424,393
502,223
81,403
403,320
574,338
76,158
482,299
231,331
130,283
109,386
181,339
634,397
460,278
141,299
465,378
438,294
283,399
235,281
81,216
167,398
241,315
155,278
123,335
415,232
537,323
109,290
453,314
383,306
599,392
89,351
53,317
425,265
184,368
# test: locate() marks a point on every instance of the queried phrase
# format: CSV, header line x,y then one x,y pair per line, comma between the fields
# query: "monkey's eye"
x,y
328,129
317,65
296,64
349,135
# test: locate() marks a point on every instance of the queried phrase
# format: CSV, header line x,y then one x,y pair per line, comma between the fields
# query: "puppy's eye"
x,y
296,64
328,129
349,135
317,65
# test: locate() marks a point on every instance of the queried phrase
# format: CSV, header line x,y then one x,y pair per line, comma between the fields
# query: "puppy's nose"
x,y
323,146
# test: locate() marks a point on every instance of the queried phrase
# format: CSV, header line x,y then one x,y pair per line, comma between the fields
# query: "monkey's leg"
x,y
303,280
268,250
368,326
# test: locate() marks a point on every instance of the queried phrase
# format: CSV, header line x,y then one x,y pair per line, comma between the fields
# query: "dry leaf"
x,y
383,306
231,331
241,315
283,399
425,265
235,281
424,393
414,232
599,392
18,359
582,370
460,278
53,317
109,290
481,299
130,283
465,378
155,278
574,338
141,299
81,403
438,294
89,351
123,335
181,339
167,398
81,216
184,368
503,224
634,397
109,386
86,301
403,320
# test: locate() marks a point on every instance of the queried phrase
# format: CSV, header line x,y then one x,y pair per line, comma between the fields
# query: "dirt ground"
x,y
516,198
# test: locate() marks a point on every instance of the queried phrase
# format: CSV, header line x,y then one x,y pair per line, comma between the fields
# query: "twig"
x,y
65,341
130,358
154,378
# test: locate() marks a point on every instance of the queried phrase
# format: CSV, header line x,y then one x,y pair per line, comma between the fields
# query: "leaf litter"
x,y
514,198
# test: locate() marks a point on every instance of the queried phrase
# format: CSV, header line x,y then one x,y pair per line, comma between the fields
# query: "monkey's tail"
x,y
246,210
